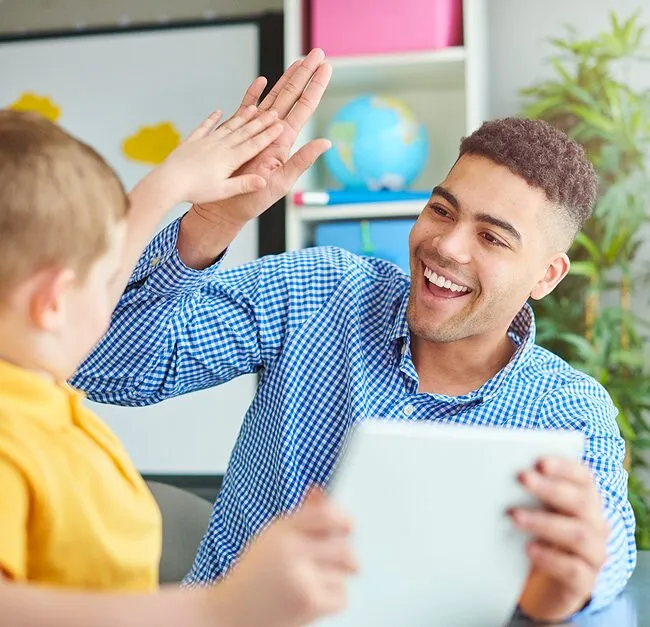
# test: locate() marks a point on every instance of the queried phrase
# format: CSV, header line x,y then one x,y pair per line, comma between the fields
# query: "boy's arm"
x,y
31,606
293,574
201,169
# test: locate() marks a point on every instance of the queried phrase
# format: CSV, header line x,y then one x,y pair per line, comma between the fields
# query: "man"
x,y
338,338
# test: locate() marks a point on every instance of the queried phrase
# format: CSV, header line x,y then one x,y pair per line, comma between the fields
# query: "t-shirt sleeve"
x,y
14,512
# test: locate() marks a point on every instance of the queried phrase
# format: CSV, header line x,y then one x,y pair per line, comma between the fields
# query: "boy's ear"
x,y
49,300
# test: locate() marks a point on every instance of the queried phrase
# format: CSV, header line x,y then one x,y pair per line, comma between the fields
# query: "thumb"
x,y
302,161
237,185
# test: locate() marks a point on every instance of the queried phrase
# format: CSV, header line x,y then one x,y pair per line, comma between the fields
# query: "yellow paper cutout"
x,y
29,101
152,144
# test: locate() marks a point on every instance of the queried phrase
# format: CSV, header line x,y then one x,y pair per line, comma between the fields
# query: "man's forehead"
x,y
479,184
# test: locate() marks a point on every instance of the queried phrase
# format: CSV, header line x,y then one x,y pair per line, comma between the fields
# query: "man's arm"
x,y
178,330
583,551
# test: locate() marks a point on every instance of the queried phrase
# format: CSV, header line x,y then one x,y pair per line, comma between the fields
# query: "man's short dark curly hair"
x,y
545,158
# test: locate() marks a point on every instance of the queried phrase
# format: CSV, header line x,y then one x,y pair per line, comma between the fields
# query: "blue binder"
x,y
386,239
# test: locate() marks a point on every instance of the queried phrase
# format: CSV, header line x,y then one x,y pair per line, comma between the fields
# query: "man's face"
x,y
481,247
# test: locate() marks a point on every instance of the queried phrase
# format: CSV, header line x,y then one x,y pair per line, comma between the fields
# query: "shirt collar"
x,y
400,329
521,332
51,404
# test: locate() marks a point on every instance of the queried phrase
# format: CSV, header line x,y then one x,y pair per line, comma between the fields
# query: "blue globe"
x,y
377,143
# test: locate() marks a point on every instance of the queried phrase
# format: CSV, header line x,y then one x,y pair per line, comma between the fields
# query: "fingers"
x,y
253,146
571,470
574,573
205,127
334,552
568,497
310,98
296,83
334,596
236,185
243,133
253,93
318,516
571,535
235,122
271,97
300,162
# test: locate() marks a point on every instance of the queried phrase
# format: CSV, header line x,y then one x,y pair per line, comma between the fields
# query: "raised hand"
x,y
203,167
209,227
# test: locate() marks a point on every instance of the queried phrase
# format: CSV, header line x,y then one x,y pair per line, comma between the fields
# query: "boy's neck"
x,y
23,348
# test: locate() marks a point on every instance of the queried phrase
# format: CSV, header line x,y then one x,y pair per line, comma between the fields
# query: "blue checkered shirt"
x,y
327,332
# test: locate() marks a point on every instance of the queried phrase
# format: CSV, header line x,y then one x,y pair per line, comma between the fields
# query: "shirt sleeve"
x,y
177,330
585,405
14,514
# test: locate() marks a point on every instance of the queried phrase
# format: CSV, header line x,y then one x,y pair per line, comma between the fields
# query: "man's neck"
x,y
458,368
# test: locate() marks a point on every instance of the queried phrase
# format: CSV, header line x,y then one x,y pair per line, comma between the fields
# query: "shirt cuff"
x,y
162,270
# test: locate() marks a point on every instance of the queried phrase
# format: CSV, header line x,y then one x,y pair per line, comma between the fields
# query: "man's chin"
x,y
438,333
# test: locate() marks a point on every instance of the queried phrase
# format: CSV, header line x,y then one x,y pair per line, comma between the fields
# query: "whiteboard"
x,y
106,87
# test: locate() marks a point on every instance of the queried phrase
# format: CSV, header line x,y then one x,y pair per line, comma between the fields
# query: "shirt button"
x,y
155,261
408,410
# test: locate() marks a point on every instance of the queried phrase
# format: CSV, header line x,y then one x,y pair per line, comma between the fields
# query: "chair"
x,y
185,518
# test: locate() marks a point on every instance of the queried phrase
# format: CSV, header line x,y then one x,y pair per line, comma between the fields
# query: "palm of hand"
x,y
294,97
269,164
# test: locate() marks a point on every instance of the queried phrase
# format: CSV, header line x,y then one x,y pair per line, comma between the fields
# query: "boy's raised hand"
x,y
294,572
201,168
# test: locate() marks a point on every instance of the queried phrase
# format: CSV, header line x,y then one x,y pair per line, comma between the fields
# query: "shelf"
x,y
361,211
438,68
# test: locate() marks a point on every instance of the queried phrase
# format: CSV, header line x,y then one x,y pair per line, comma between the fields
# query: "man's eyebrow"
x,y
438,190
499,223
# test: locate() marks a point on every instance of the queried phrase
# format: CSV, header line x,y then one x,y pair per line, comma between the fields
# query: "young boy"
x,y
74,512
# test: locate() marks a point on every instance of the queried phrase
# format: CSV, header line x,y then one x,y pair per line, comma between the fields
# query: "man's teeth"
x,y
441,281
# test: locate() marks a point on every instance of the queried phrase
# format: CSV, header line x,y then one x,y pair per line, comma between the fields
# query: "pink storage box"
x,y
349,27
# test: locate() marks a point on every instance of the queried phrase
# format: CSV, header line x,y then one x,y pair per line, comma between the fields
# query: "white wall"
x,y
518,41
28,15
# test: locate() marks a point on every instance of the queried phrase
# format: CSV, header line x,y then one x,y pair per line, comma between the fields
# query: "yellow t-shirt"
x,y
74,512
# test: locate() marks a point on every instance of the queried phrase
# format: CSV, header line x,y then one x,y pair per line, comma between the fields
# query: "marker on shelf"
x,y
322,198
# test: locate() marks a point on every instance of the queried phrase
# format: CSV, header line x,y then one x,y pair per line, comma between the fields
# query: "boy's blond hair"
x,y
58,200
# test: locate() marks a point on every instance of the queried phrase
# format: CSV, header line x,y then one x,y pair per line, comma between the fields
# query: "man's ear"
x,y
556,270
49,298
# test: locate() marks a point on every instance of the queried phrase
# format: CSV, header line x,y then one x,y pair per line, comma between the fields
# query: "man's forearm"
x,y
201,240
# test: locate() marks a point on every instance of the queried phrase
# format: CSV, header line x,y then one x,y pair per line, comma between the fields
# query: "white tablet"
x,y
431,534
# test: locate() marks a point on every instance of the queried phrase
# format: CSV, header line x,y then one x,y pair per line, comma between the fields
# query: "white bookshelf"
x,y
446,89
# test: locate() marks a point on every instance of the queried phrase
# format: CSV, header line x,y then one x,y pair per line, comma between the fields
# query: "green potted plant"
x,y
598,317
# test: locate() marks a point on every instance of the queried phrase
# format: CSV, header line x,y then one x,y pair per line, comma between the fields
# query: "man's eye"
x,y
441,211
493,241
